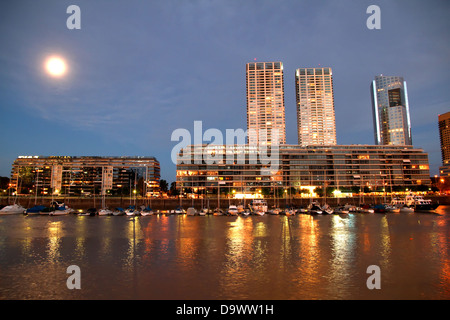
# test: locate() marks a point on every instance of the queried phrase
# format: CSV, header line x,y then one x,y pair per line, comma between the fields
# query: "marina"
x,y
408,203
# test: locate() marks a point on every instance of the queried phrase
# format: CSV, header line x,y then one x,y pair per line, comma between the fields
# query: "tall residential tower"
x,y
315,106
390,109
265,103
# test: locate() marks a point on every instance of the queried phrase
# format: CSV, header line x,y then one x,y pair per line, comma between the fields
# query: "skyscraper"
x,y
390,109
265,103
444,135
315,106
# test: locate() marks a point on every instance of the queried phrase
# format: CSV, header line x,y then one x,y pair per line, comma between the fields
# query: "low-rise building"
x,y
241,171
85,175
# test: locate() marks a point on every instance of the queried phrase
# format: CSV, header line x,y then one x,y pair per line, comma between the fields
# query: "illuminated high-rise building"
x,y
390,109
315,106
444,135
265,103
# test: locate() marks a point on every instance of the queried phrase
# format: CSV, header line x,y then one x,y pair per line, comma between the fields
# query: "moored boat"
x,y
326,209
89,212
314,208
392,208
191,211
258,206
421,204
365,209
105,212
118,212
12,209
35,210
288,211
61,211
274,211
414,203
232,210
406,209
341,210
132,211
178,210
259,212
301,210
147,211
380,208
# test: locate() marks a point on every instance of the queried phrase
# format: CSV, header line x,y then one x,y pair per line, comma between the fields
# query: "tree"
x,y
303,190
173,189
164,186
265,191
318,191
4,181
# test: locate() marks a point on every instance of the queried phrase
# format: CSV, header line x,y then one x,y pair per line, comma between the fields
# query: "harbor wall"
x,y
166,204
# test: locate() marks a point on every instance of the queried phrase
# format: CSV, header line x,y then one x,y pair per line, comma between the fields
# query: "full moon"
x,y
55,66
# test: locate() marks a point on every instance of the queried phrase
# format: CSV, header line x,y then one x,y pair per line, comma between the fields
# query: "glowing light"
x,y
55,66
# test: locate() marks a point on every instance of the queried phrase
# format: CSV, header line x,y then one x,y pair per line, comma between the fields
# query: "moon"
x,y
55,66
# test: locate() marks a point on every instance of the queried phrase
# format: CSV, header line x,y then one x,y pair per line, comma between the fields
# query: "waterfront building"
x,y
390,108
265,103
315,106
444,135
82,176
296,169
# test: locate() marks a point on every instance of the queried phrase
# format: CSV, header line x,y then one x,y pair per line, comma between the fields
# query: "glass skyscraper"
x,y
444,136
315,106
390,109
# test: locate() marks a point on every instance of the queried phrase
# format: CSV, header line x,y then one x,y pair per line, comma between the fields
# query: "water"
x,y
222,257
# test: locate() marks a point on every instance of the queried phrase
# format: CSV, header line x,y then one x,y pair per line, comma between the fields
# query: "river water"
x,y
298,257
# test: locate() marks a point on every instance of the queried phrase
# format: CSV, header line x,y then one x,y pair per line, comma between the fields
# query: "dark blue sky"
x,y
140,69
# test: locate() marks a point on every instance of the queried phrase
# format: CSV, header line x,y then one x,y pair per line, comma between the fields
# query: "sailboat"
x,y
105,212
118,212
12,209
59,209
147,211
35,210
131,211
314,208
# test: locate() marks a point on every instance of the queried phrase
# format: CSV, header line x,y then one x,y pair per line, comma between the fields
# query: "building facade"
x,y
346,168
316,123
265,103
390,109
78,176
444,136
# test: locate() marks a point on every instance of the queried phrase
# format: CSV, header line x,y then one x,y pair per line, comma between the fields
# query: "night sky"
x,y
139,69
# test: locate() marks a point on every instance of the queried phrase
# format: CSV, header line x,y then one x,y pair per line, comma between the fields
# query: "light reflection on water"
x,y
269,257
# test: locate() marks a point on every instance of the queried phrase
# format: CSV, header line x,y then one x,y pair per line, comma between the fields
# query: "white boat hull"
x,y
13,209
105,212
59,213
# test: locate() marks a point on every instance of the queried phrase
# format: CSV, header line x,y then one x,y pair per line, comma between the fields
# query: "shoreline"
x,y
167,204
